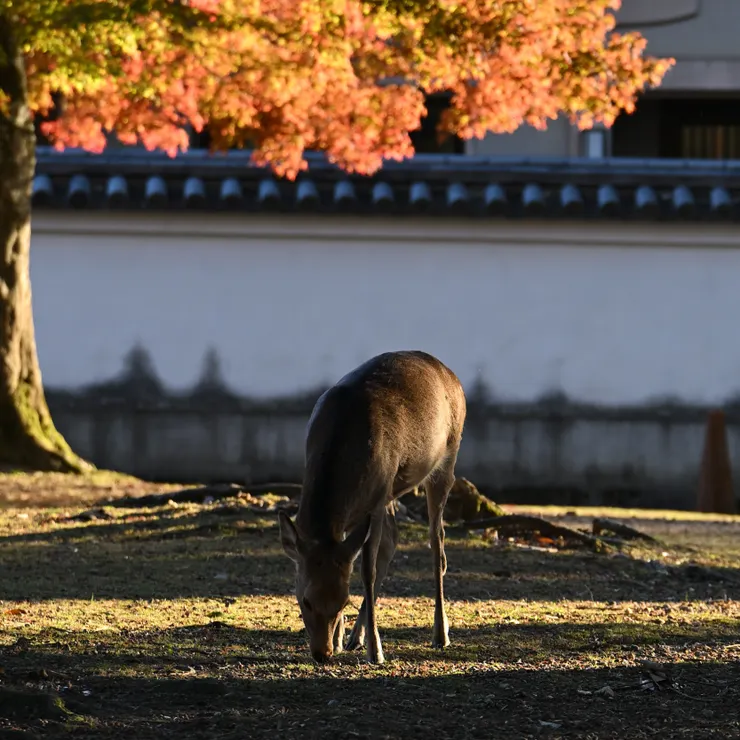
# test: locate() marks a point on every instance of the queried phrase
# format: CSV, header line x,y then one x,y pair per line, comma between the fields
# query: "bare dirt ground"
x,y
179,621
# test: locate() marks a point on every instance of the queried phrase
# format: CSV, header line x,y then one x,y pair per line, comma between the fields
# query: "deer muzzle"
x,y
322,655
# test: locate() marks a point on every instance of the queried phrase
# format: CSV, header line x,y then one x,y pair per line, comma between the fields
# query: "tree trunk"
x,y
28,437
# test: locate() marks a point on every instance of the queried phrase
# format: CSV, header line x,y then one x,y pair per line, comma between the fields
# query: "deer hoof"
x,y
355,641
378,659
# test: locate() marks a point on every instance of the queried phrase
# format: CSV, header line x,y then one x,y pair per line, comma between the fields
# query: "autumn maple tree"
x,y
347,77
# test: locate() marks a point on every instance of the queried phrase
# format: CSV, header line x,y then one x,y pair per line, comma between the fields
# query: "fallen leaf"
x,y
606,691
15,612
545,540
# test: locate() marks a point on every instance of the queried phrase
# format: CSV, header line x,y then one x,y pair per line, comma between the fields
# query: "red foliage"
x,y
343,76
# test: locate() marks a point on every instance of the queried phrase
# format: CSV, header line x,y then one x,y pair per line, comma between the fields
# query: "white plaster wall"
x,y
607,313
559,139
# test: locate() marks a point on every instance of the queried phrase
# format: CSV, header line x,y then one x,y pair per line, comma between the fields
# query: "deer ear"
x,y
289,536
350,547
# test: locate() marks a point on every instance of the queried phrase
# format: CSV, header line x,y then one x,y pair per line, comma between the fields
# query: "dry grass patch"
x,y
180,621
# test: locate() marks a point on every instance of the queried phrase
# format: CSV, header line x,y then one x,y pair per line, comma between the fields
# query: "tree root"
x,y
623,531
518,524
465,503
28,437
216,492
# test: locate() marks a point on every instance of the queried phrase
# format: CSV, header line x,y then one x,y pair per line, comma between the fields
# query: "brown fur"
x,y
393,423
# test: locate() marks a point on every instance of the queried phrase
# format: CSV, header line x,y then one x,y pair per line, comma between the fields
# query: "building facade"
x,y
190,311
583,285
695,114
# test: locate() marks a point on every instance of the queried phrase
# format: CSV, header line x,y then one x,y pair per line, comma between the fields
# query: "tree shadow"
x,y
233,553
505,681
212,645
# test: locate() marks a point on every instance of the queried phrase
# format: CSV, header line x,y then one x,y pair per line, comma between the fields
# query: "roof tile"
x,y
608,201
683,201
78,191
194,193
156,194
307,195
646,202
230,192
434,185
268,194
116,192
420,196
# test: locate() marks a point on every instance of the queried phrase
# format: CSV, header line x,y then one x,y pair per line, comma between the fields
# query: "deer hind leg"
x,y
438,489
386,551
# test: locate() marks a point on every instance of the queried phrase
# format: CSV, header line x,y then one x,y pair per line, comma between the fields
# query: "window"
x,y
684,128
425,138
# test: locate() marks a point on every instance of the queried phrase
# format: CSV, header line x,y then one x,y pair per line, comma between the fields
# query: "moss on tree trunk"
x,y
28,437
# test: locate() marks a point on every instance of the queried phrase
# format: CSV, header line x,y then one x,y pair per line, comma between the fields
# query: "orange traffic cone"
x,y
715,484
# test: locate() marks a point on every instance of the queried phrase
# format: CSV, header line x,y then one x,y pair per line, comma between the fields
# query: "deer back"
x,y
381,430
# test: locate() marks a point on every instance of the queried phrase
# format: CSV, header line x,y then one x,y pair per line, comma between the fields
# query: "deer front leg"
x,y
386,551
369,573
437,492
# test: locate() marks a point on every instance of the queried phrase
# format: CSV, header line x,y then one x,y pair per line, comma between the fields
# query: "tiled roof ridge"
x,y
431,184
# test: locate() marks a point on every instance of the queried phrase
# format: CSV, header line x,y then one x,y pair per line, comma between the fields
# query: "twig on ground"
x,y
705,699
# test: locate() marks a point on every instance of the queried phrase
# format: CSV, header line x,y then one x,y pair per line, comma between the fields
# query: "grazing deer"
x,y
391,424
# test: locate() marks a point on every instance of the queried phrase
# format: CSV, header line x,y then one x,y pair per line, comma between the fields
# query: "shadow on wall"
x,y
550,450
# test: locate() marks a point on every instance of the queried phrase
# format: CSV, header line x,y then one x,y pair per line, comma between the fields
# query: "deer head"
x,y
323,571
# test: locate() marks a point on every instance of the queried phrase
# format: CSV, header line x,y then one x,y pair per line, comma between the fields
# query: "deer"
x,y
391,424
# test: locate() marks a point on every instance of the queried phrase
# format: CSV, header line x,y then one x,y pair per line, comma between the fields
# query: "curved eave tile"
x,y
155,192
571,201
230,193
382,198
307,196
683,202
646,203
42,191
194,193
420,197
458,199
116,192
720,203
495,201
608,202
345,198
78,191
268,195
533,200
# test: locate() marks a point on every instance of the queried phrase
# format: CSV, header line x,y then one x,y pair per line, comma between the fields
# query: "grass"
x,y
180,621
39,490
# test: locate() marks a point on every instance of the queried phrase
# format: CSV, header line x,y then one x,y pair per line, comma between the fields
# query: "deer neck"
x,y
320,518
